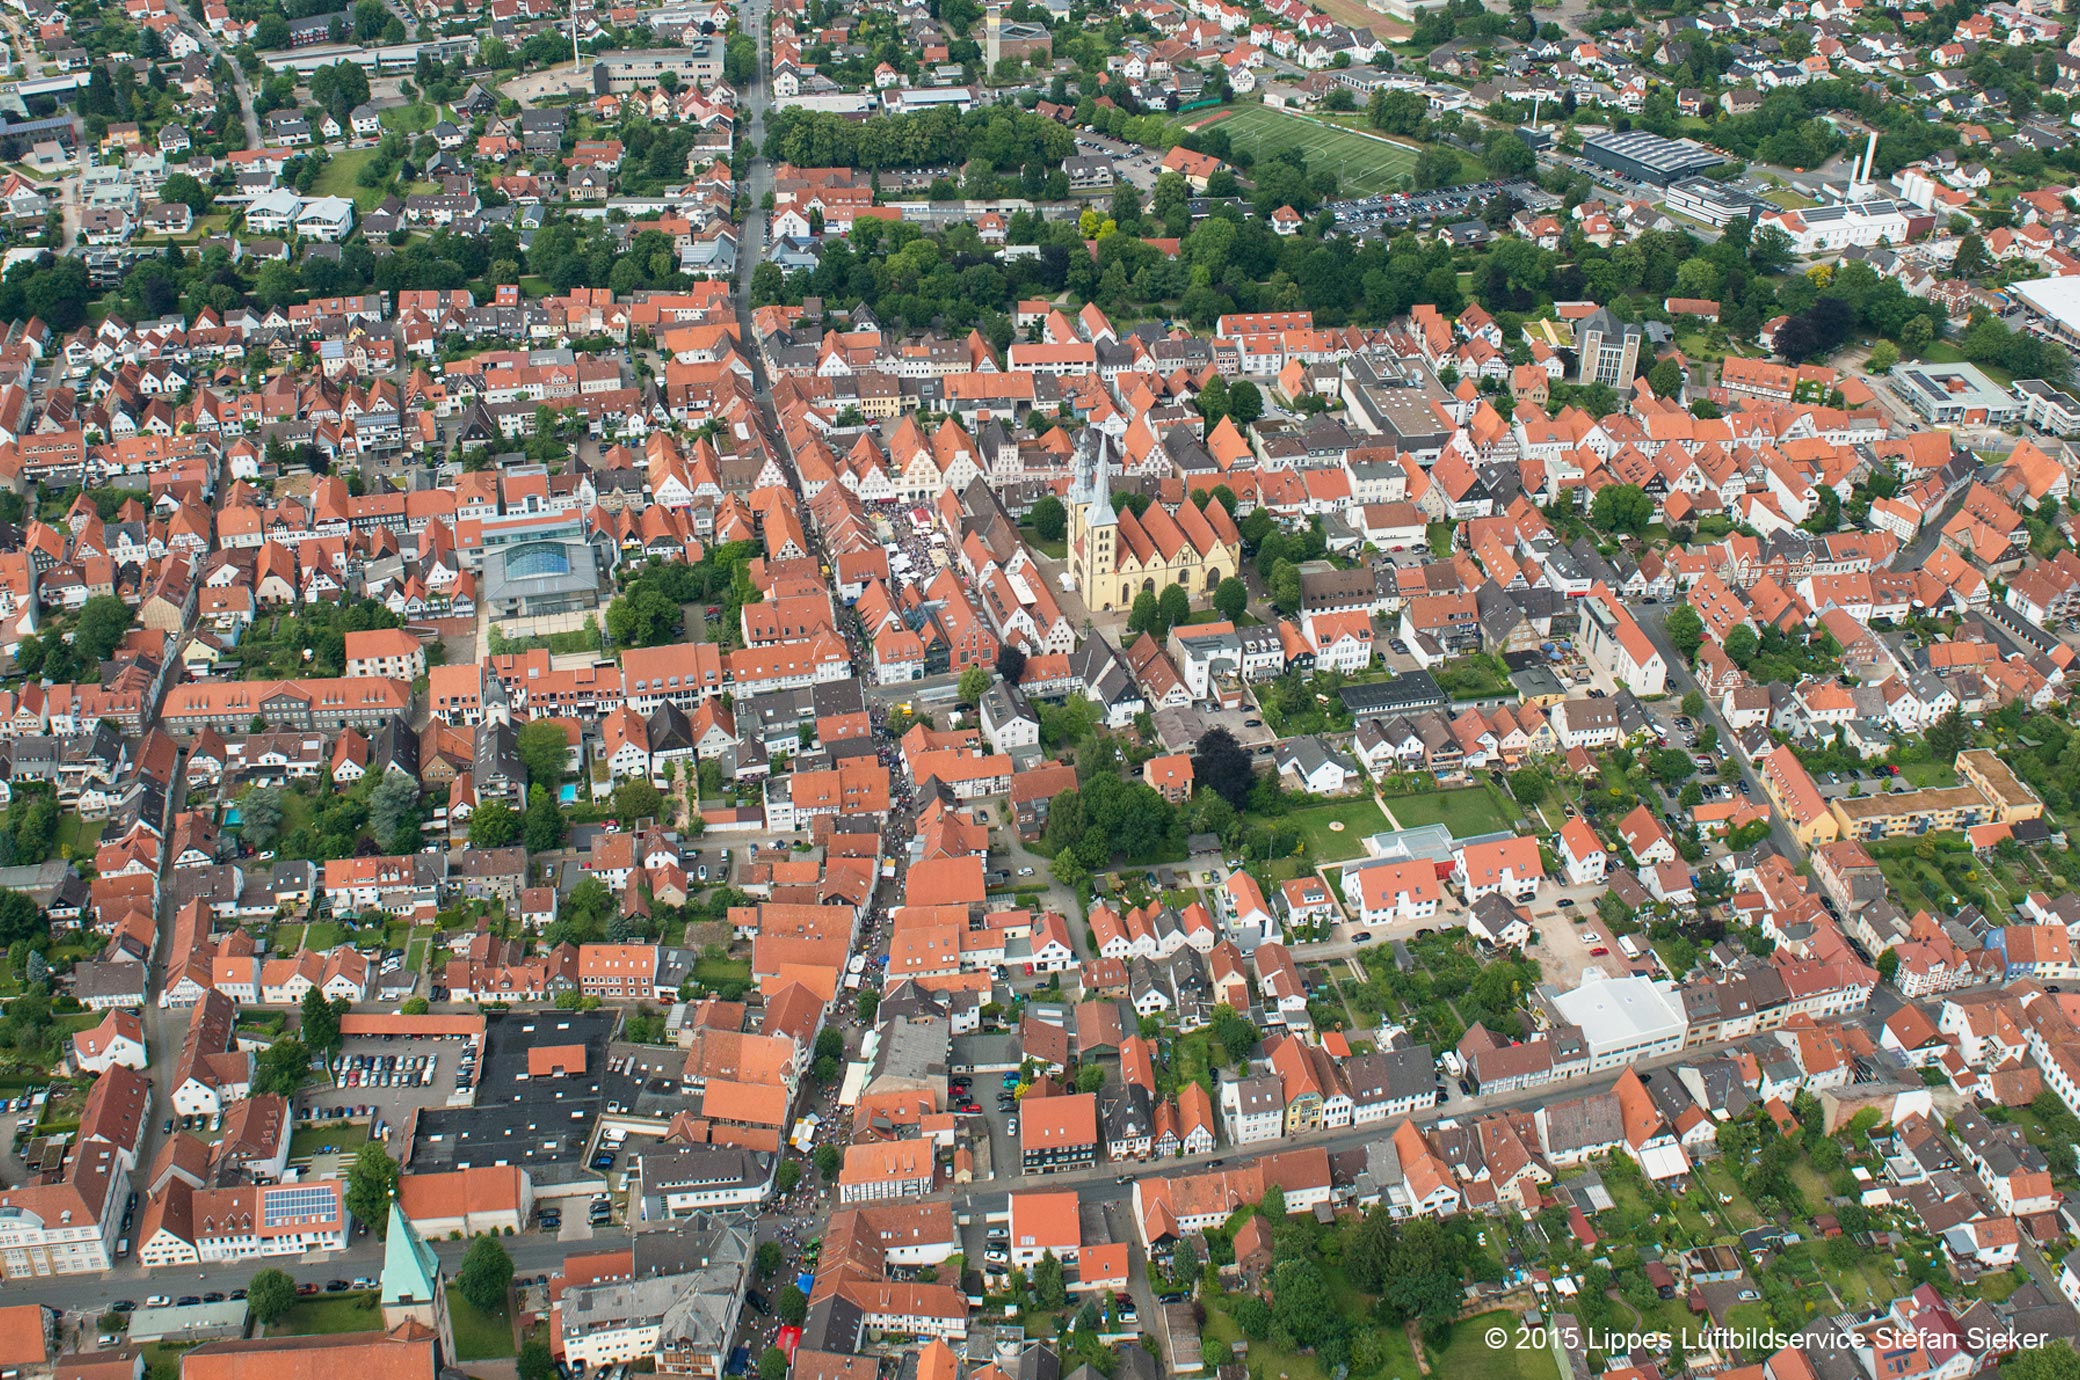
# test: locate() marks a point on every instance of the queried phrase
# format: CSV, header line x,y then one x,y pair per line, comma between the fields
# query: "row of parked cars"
x,y
387,1071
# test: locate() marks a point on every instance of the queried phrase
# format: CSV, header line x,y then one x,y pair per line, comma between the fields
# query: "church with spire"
x,y
413,1289
1115,554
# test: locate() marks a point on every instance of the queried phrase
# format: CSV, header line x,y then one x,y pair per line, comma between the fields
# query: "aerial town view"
x,y
1039,690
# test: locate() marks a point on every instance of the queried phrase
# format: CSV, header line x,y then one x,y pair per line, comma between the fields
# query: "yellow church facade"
x,y
1116,555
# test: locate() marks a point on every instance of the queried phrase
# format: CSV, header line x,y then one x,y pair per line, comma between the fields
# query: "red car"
x,y
971,1108
1598,952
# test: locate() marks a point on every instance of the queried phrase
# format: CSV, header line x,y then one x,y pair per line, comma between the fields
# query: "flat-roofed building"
x,y
1623,1020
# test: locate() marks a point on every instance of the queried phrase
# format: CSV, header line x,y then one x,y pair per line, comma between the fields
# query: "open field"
x,y
1469,1354
1363,165
338,179
328,1313
1358,15
1473,810
343,1136
478,1336
1359,817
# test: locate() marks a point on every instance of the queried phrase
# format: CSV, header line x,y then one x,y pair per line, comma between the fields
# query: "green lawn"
x,y
1359,817
76,837
1943,352
1467,1355
479,1336
324,935
415,118
1926,775
1191,1060
1363,164
329,1313
1472,810
345,1137
162,1360
1222,1332
1789,199
287,939
713,972
1054,550
339,179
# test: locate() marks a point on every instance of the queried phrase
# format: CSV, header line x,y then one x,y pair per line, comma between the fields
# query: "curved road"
x,y
238,75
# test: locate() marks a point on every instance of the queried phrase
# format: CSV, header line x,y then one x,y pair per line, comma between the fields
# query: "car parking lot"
x,y
1395,211
383,1078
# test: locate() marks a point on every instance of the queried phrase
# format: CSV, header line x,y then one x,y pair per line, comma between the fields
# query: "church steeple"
x,y
1101,514
412,1287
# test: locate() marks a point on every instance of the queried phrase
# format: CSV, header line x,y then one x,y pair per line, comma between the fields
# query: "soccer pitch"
x,y
1363,166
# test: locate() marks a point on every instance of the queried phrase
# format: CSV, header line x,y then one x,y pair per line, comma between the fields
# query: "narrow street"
x,y
1680,682
209,43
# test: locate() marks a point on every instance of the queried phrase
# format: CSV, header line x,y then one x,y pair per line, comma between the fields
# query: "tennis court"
x,y
1363,165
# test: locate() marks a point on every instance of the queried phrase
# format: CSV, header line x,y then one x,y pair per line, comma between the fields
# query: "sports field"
x,y
1362,165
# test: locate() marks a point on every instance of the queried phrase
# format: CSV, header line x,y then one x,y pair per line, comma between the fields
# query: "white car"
x,y
158,1301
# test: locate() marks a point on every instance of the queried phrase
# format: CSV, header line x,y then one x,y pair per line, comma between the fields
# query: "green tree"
x,y
260,816
1236,1036
281,1067
544,751
1888,964
1665,378
635,798
767,1259
1284,585
1948,736
270,1294
1508,157
371,1184
643,617
787,1175
393,812
1685,629
1146,613
1884,355
1231,598
493,824
791,1306
1245,402
184,189
1301,1303
828,1159
545,824
1050,1287
1741,645
2055,1361
486,1274
974,684
1622,508
1050,519
772,1364
535,1362
1174,607
320,1024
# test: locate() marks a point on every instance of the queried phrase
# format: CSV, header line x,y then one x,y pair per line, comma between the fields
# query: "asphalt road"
x,y
1680,683
238,76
